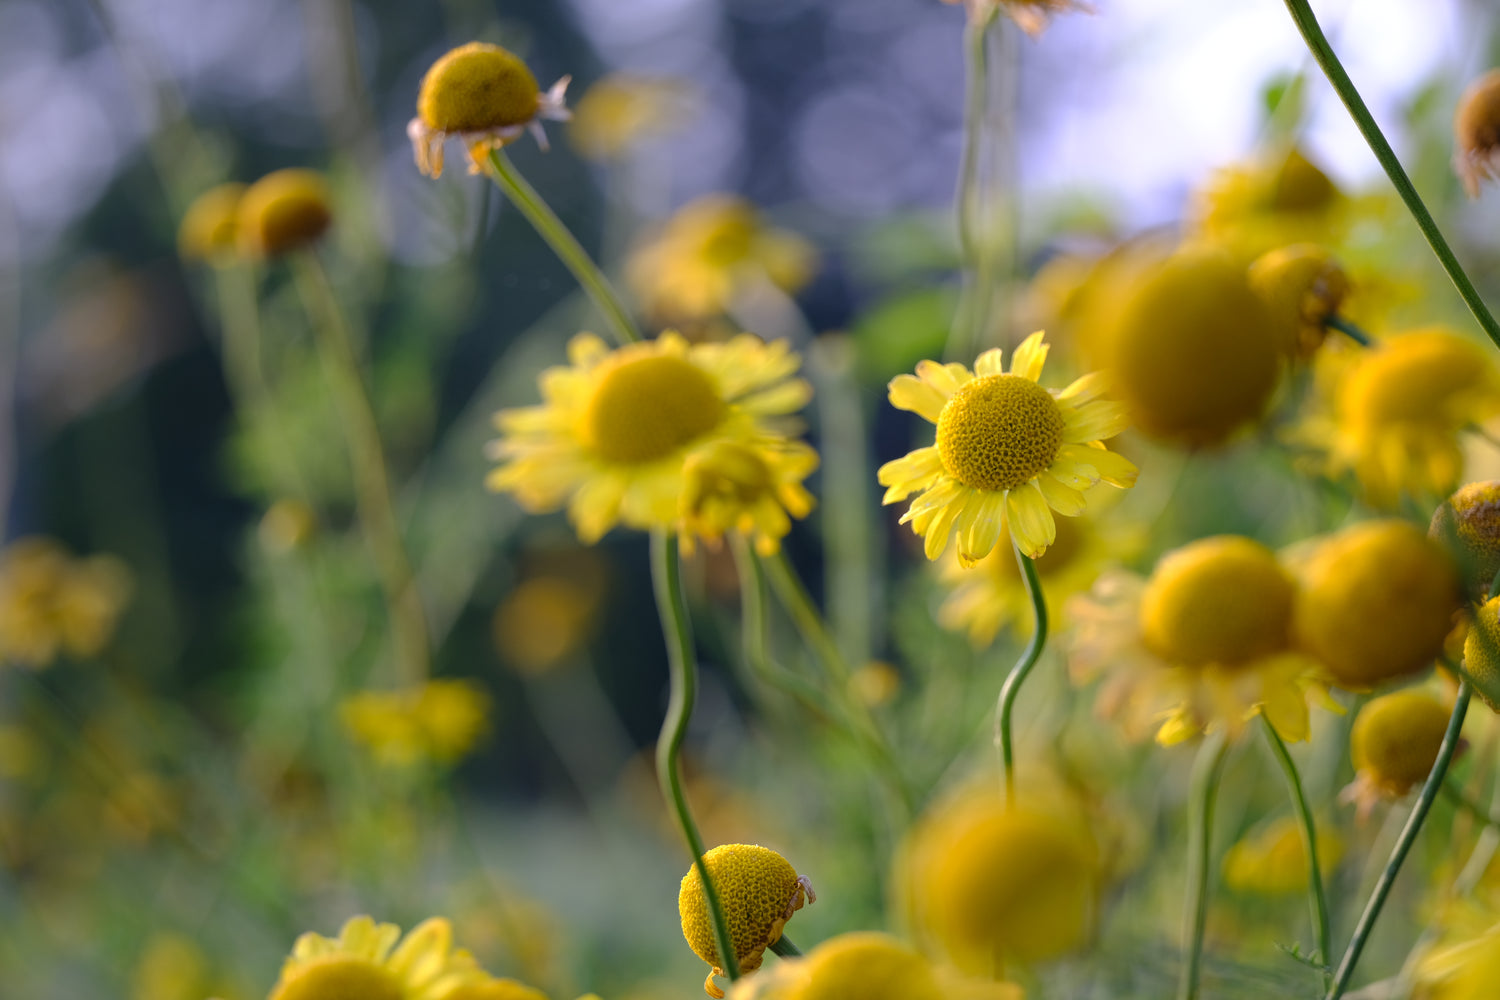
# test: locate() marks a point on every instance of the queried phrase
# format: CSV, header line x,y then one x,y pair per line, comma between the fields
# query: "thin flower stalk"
x,y
1011,689
754,628
1317,899
1207,770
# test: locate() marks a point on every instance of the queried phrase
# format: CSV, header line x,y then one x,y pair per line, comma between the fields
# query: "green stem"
x,y
1317,900
1317,43
1205,787
563,243
972,312
1349,330
1011,689
666,574
1403,844
754,628
372,485
784,947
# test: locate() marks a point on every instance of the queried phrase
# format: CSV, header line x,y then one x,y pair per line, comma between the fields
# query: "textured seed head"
x,y
647,407
476,87
999,431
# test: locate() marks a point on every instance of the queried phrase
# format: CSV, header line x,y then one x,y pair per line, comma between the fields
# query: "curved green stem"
x,y
784,947
1403,844
1317,900
753,633
1205,786
666,575
1349,330
562,242
1018,674
1317,43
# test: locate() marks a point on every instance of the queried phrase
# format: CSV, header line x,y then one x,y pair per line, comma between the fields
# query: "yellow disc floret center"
x,y
1221,601
339,977
999,432
477,87
647,408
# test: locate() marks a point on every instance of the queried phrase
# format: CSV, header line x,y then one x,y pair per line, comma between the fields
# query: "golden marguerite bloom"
x,y
868,966
1273,860
209,230
1476,133
1008,452
1376,601
51,603
755,489
710,251
1278,200
759,891
616,428
992,594
1399,410
984,881
485,97
1394,743
1204,643
439,723
622,109
1468,525
1303,287
1031,15
373,962
283,211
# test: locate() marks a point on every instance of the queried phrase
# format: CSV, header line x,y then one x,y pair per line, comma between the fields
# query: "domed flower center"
x,y
340,977
998,432
1218,601
647,408
477,87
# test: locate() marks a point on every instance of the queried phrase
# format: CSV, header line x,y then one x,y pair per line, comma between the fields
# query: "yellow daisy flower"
x,y
755,489
51,603
1303,287
1273,860
1204,643
1007,451
372,961
616,429
439,722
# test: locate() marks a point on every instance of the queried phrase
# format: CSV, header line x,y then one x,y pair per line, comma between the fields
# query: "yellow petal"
x,y
938,531
1113,468
1029,358
587,350
907,392
991,362
1031,523
422,955
1063,499
984,528
946,379
1084,389
1095,421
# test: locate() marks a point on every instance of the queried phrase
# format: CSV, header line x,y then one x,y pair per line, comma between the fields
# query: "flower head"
x,y
1281,199
372,962
1476,132
1482,653
1468,525
712,250
484,96
1273,860
209,229
620,110
1204,643
51,603
1032,16
1376,602
753,489
1008,452
283,211
546,618
1303,287
1394,742
614,434
759,891
439,722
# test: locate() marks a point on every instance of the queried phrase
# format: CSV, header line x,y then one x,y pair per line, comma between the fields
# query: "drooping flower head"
x,y
282,212
1302,287
759,891
1476,133
755,489
1468,525
1008,451
484,96
209,229
1204,643
373,962
1394,743
614,434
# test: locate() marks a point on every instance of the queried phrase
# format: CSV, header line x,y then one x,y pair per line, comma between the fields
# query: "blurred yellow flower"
x,y
171,967
1273,860
51,603
754,489
866,965
440,722
616,429
1008,451
1464,963
492,988
1302,286
544,620
282,212
373,962
1205,643
759,891
1394,743
622,109
485,97
1281,199
1467,524
1476,133
710,251
210,227
287,525
875,683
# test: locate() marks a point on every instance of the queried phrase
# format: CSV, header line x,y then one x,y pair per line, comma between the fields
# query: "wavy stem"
x,y
666,575
1317,43
1317,899
753,633
1205,786
1403,844
563,243
1011,689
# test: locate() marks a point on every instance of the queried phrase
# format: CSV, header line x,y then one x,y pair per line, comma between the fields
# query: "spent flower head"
x,y
1468,524
1476,133
282,212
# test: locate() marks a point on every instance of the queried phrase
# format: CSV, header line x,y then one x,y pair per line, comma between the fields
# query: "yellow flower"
x,y
1273,861
875,683
1476,132
366,961
492,988
287,525
1376,602
617,427
754,489
1282,199
1303,287
209,229
992,594
51,603
545,619
484,96
986,882
1007,451
1394,743
1205,643
171,967
1468,526
438,722
865,965
1032,16
1465,962
759,891
1190,349
710,251
283,211
620,110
